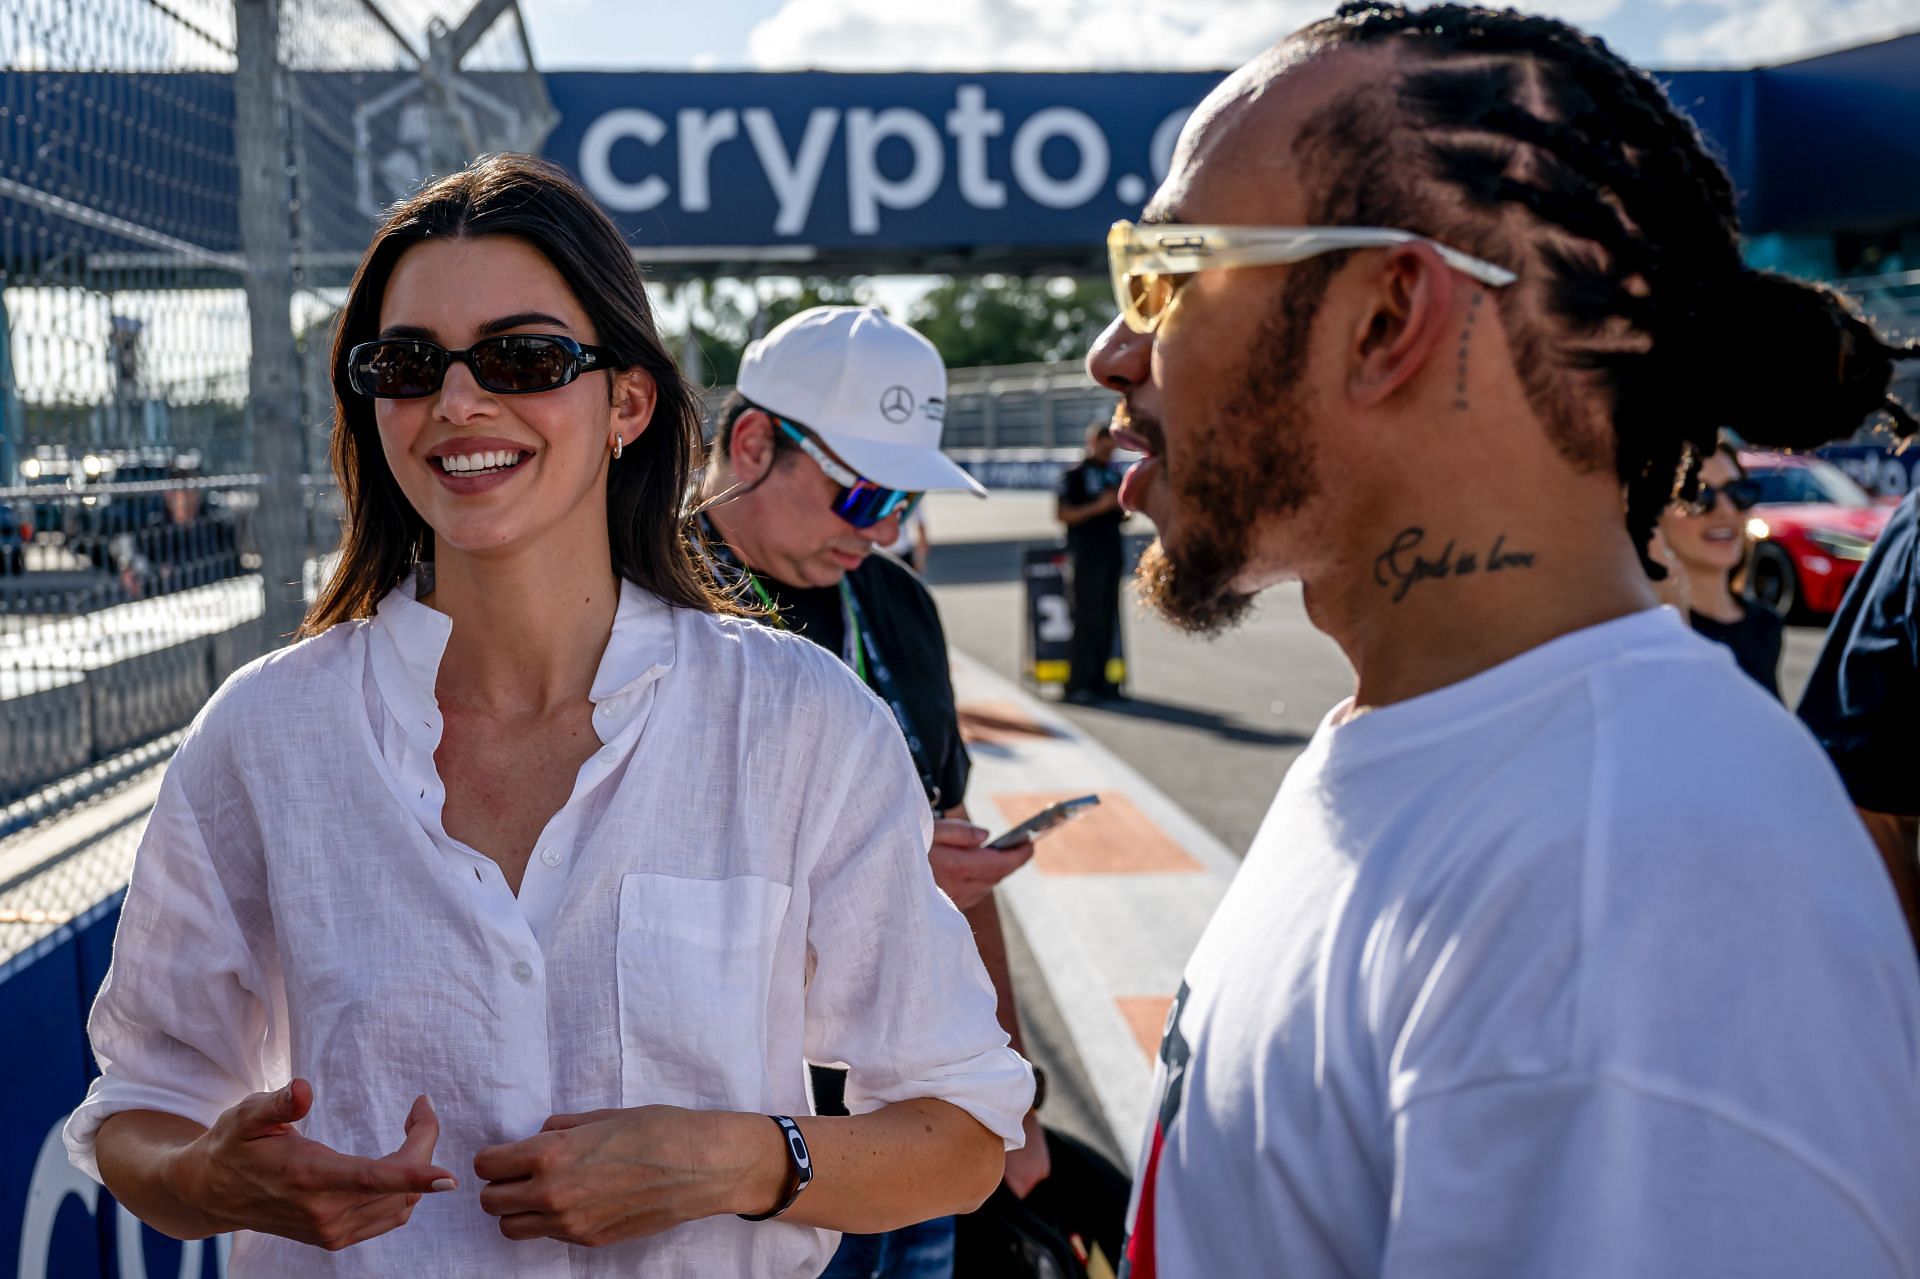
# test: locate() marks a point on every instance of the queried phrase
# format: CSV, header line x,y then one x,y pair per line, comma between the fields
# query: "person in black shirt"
x,y
1089,505
827,443
1863,699
1708,539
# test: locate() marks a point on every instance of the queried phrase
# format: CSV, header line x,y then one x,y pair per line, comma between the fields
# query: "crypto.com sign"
x,y
842,161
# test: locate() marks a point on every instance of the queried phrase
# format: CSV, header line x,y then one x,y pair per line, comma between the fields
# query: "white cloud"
x,y
1053,35
1024,34
1752,32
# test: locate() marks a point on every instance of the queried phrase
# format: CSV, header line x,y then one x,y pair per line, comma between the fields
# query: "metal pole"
x,y
11,429
266,237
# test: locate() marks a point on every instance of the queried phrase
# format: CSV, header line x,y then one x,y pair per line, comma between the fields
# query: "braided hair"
x,y
1516,135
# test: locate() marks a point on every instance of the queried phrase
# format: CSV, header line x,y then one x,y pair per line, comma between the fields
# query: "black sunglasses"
x,y
512,364
1742,494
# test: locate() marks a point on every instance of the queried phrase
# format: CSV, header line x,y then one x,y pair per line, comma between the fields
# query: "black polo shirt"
x,y
1082,484
1863,699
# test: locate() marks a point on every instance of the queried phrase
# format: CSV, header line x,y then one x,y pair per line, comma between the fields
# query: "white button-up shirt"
x,y
738,885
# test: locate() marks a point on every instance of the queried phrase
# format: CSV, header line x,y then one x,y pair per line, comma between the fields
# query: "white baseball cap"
x,y
871,388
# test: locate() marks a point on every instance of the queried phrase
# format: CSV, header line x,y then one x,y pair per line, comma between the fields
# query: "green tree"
x,y
724,320
1003,319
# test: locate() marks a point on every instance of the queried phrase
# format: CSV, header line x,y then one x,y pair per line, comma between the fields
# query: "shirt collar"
x,y
409,640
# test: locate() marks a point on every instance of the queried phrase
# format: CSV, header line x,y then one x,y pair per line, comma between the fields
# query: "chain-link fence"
x,y
185,189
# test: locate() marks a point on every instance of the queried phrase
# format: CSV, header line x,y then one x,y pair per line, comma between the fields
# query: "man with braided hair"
x,y
1435,312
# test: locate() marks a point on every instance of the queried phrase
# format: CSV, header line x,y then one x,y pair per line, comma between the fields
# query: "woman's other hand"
x,y
609,1175
253,1171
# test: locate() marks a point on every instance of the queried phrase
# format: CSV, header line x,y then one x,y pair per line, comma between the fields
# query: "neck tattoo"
x,y
1401,565
1466,340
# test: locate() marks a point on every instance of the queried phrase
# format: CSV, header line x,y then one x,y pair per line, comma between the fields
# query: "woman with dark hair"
x,y
1708,538
478,856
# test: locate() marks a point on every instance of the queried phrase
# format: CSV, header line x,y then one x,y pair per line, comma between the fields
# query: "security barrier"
x,y
56,937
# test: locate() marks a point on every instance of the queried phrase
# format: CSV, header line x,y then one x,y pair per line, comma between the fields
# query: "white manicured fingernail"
x,y
445,1183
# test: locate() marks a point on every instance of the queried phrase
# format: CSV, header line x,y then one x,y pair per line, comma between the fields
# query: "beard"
x,y
1251,465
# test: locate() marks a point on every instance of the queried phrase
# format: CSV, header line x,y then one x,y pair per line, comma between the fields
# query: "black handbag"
x,y
1071,1226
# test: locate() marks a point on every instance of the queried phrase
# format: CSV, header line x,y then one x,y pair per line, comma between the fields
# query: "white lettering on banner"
x,y
867,187
1160,151
700,133
596,159
971,124
794,180
1077,127
54,1178
794,175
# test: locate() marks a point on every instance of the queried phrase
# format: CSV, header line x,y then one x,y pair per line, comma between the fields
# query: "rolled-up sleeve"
x,y
188,1021
899,995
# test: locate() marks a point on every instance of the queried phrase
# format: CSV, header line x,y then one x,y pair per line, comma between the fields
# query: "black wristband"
x,y
802,1163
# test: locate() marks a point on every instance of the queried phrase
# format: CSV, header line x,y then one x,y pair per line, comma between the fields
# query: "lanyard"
x,y
859,649
853,648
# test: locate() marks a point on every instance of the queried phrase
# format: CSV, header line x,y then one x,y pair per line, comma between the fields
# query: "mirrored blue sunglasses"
x,y
860,502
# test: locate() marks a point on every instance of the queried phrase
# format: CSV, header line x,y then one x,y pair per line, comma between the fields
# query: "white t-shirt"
x,y
1579,967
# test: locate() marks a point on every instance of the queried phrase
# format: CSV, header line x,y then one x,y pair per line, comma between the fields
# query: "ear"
x,y
635,395
1407,325
753,449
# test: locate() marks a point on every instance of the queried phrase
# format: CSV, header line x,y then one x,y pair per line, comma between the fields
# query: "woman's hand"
x,y
609,1175
252,1171
964,868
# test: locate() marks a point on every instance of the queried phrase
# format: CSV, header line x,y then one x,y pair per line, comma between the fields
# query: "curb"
x,y
1112,904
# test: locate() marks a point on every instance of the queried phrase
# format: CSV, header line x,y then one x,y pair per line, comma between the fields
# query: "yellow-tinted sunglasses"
x,y
1149,263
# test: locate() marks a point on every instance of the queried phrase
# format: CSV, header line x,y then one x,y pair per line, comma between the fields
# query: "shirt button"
x,y
523,972
551,857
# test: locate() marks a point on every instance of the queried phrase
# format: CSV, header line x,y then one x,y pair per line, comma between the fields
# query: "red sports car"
x,y
1812,528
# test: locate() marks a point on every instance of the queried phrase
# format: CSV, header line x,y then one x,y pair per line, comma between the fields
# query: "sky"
x,y
981,35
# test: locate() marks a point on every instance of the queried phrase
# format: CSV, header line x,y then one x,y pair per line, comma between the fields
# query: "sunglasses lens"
x,y
1744,494
397,370
1148,294
865,505
514,365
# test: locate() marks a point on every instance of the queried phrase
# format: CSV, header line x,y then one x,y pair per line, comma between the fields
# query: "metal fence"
x,y
185,189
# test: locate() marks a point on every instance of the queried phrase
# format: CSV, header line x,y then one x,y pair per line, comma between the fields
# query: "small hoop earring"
x,y
618,447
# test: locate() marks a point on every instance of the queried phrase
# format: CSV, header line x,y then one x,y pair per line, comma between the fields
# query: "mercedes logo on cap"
x,y
896,404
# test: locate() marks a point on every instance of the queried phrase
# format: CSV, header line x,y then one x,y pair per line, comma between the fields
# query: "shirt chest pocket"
x,y
695,968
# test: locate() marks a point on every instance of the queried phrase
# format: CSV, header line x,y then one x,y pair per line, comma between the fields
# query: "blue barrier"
x,y
55,1222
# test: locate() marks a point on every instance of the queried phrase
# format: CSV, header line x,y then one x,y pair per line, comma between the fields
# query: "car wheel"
x,y
1772,579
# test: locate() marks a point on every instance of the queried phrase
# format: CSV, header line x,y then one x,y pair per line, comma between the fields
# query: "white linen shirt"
x,y
737,885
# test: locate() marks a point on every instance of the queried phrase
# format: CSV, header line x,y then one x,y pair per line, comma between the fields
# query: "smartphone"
x,y
1043,821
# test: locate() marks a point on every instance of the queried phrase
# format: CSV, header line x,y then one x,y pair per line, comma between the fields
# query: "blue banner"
x,y
900,164
889,161
1877,468
55,1222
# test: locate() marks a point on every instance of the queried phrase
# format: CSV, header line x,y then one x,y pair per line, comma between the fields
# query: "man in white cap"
x,y
830,439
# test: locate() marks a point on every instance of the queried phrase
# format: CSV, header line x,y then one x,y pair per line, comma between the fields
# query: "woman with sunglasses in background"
x,y
1708,541
487,931
831,438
